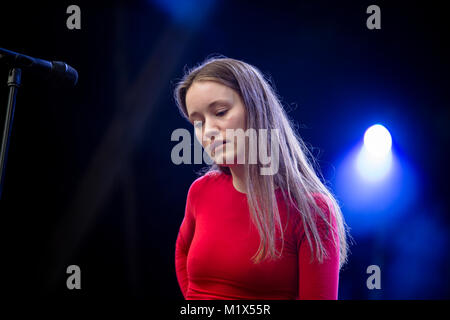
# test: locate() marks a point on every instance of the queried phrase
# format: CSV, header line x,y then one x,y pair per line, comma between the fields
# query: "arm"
x,y
180,264
183,242
319,281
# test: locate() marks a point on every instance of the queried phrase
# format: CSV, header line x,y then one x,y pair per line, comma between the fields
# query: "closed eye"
x,y
221,113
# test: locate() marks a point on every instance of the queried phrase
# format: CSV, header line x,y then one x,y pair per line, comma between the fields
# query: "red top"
x,y
217,240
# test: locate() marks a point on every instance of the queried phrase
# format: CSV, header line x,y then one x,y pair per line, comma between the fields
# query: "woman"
x,y
247,235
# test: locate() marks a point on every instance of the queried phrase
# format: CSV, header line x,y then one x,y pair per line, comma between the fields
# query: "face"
x,y
213,108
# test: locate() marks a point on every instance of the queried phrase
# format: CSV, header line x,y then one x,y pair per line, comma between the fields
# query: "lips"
x,y
216,144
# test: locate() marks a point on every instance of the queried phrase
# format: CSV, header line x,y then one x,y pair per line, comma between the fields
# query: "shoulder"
x,y
322,201
315,200
206,181
328,213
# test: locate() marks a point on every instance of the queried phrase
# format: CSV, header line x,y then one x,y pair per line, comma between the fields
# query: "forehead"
x,y
202,93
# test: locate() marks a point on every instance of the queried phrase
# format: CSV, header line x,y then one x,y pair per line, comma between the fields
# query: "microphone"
x,y
57,69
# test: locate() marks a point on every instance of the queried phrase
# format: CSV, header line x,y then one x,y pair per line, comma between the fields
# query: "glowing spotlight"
x,y
375,158
378,141
373,168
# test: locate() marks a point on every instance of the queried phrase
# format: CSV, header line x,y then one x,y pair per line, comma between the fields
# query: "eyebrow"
x,y
210,105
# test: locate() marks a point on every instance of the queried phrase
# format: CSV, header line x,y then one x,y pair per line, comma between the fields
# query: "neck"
x,y
239,178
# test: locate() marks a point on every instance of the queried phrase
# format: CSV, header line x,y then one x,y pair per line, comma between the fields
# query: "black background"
x,y
89,178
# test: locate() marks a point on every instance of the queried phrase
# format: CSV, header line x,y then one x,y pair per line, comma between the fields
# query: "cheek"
x,y
243,120
237,121
198,135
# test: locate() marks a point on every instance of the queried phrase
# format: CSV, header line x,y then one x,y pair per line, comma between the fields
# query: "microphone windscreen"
x,y
65,72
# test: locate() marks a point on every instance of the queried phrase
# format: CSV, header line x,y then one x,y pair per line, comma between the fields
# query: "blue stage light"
x,y
375,157
378,141
375,183
186,12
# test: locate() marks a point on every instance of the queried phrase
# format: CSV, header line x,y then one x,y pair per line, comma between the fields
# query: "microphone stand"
x,y
14,78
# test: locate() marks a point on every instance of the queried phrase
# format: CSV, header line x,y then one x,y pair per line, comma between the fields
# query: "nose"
x,y
211,132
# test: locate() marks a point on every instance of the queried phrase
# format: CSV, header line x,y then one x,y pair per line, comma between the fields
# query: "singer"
x,y
247,235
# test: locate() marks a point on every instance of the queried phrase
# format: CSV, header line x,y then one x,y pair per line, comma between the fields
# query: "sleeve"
x,y
183,242
319,281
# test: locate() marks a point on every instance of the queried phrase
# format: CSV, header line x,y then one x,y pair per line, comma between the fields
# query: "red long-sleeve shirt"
x,y
217,239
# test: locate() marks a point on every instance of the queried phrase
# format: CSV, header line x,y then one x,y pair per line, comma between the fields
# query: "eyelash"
x,y
221,113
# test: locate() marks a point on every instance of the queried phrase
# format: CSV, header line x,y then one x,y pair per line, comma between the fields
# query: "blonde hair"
x,y
296,176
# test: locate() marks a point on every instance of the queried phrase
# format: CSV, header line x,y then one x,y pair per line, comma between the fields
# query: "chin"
x,y
224,159
228,165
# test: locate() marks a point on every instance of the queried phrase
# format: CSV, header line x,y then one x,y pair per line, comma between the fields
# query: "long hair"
x,y
296,176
